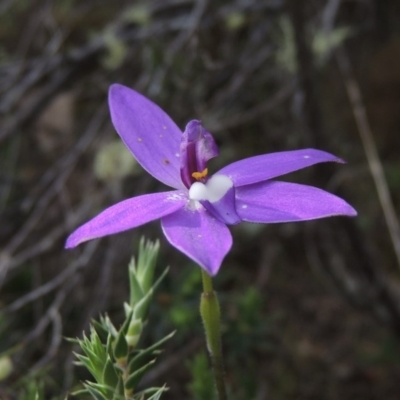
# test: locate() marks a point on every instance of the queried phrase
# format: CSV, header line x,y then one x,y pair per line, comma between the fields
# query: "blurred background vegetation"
x,y
310,310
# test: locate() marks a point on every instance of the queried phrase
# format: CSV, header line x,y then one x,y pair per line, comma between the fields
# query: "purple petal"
x,y
198,235
267,166
197,147
128,214
271,202
148,132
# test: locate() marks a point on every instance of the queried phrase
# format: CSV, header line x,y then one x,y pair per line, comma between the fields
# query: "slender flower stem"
x,y
210,313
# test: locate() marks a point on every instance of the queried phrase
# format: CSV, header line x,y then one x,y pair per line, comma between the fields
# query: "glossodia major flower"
x,y
194,216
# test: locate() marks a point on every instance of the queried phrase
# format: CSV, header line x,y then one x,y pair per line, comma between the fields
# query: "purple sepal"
x,y
196,148
268,166
128,214
148,132
269,202
198,235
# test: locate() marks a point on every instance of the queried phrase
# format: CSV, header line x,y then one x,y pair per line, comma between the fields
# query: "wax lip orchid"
x,y
194,216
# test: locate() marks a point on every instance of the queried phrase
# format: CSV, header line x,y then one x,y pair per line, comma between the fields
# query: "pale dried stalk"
x,y
367,139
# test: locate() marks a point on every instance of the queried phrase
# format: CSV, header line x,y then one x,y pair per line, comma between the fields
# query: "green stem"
x,y
210,313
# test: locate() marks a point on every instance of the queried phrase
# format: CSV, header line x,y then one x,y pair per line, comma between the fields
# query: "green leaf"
x,y
101,329
154,392
109,349
133,379
106,391
96,393
148,253
121,346
92,362
111,328
158,394
136,291
119,392
94,370
110,376
143,355
140,309
96,346
80,393
134,332
125,325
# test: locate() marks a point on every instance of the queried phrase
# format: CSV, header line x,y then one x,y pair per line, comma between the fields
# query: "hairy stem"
x,y
210,313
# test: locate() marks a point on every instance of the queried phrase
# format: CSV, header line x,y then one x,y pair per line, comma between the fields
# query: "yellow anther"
x,y
200,175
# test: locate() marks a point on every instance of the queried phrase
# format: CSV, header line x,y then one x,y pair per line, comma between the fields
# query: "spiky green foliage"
x,y
33,389
112,355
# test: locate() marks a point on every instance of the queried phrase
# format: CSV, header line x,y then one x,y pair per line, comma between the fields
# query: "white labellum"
x,y
214,190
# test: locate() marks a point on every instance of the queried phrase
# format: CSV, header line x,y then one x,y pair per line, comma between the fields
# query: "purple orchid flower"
x,y
194,216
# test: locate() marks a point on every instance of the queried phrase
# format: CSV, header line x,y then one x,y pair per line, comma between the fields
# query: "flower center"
x,y
217,196
214,190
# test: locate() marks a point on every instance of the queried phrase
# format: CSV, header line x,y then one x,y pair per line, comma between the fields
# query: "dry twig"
x,y
367,139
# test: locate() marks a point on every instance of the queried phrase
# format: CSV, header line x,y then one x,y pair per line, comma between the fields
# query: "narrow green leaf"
x,y
94,361
121,346
95,371
95,393
101,329
136,291
109,349
154,392
119,392
143,355
80,392
106,391
134,332
127,308
125,325
157,395
134,379
110,376
111,328
140,308
148,253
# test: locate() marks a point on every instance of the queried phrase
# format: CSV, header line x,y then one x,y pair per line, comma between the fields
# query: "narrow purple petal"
x,y
198,235
260,168
148,132
128,214
270,202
